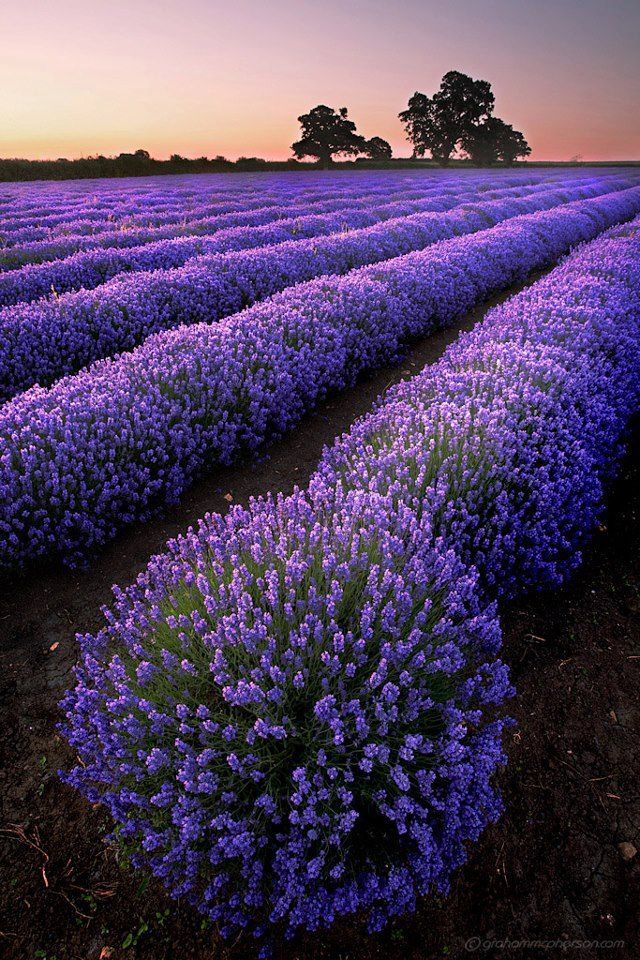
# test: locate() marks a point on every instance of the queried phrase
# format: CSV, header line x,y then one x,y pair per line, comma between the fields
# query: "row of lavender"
x,y
291,715
110,445
289,206
161,194
89,269
41,200
41,342
46,224
16,229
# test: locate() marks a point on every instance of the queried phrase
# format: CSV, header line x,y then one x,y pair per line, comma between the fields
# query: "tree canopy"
x,y
437,124
494,141
378,149
327,132
460,115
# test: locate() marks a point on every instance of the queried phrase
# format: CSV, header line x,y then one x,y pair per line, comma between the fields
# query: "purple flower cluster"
x,y
41,342
290,714
506,442
286,714
53,203
18,249
22,240
109,445
89,269
34,225
57,206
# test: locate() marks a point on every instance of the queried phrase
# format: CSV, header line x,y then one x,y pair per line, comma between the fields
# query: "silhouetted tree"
x,y
326,132
141,158
494,141
419,123
512,144
437,124
378,149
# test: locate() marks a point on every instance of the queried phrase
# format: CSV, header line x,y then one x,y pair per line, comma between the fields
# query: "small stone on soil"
x,y
627,850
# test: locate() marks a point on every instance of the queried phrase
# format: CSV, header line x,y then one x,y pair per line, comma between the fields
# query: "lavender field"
x,y
300,709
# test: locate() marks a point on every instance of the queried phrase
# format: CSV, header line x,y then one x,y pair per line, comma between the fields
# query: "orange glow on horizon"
x,y
202,77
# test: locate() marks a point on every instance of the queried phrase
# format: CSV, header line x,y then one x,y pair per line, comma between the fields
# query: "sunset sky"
x,y
212,76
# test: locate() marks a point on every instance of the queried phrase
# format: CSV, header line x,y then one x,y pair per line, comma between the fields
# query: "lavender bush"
x,y
42,224
289,713
523,420
304,734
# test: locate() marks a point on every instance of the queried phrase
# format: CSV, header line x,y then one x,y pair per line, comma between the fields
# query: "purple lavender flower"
x,y
40,342
300,802
112,444
333,748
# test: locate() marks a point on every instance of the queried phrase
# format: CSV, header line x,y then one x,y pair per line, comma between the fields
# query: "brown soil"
x,y
551,870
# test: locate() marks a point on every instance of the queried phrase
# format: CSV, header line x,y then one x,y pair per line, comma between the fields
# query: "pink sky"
x,y
207,77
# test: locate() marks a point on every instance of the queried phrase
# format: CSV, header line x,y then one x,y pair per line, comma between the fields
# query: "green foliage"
x,y
132,938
